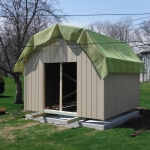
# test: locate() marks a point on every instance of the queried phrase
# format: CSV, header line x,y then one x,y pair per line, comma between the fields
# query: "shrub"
x,y
2,85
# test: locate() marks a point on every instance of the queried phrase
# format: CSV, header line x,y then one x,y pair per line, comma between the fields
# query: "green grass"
x,y
7,99
145,95
17,133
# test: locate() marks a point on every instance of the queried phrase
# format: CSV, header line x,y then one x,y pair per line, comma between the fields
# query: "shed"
x,y
77,72
145,56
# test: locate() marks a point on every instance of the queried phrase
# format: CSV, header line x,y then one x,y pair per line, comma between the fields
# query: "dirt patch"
x,y
20,127
6,119
139,122
90,133
61,127
5,134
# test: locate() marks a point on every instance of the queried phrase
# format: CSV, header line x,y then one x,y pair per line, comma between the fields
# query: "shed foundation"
x,y
96,124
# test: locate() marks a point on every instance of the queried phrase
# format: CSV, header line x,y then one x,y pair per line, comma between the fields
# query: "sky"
x,y
81,7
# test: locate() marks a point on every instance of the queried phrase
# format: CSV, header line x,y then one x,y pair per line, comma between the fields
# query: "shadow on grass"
x,y
3,96
139,122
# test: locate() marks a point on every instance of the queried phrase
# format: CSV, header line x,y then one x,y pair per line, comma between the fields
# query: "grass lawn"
x,y
16,133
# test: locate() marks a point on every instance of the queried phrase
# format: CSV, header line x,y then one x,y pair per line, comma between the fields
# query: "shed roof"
x,y
107,55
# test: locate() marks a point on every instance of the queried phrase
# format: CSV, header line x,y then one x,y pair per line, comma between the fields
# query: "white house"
x,y
145,56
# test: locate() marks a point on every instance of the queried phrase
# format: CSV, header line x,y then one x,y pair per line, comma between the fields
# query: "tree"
x,y
121,29
142,35
100,27
20,19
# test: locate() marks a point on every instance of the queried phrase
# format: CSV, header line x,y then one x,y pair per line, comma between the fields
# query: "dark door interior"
x,y
69,86
52,77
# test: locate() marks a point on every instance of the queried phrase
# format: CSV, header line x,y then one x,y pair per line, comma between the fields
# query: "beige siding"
x,y
32,82
88,83
79,85
121,93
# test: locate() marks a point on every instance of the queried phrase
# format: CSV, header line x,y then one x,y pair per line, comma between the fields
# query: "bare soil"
x,y
139,122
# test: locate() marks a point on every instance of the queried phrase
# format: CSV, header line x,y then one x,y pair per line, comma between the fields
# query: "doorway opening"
x,y
61,86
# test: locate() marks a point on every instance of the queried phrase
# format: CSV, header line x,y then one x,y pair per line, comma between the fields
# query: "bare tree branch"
x,y
23,19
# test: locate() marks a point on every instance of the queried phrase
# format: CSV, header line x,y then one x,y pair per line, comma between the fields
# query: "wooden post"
x,y
60,92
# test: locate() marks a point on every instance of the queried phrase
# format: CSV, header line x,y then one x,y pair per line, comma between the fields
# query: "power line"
x,y
88,15
84,15
134,19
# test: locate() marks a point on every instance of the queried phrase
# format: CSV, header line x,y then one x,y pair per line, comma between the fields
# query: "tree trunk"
x,y
18,89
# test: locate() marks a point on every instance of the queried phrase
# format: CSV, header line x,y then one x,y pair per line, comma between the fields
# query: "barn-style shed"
x,y
77,72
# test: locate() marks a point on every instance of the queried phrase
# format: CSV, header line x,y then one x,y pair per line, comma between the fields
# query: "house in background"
x,y
76,72
145,57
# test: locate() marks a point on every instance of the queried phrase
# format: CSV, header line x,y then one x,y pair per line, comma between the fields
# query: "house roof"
x,y
145,51
107,55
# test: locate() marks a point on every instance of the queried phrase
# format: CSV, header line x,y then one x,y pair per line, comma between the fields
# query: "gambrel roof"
x,y
107,55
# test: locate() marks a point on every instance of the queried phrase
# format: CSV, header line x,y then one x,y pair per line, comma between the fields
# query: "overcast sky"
x,y
79,7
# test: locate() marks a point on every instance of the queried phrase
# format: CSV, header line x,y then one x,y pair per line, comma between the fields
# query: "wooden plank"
x,y
69,94
72,120
60,94
69,77
66,113
38,115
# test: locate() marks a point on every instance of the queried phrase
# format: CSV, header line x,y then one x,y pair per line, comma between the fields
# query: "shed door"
x,y
61,86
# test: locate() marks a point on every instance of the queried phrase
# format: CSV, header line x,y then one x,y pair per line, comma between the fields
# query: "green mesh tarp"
x,y
107,55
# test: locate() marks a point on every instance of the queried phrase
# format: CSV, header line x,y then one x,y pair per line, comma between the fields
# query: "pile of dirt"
x,y
2,111
139,122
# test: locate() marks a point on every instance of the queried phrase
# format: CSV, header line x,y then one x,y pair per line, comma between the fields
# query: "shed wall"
x,y
121,93
90,95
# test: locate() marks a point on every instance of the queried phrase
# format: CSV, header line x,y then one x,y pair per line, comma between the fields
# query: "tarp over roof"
x,y
107,55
